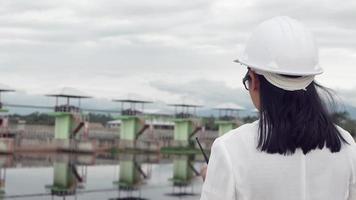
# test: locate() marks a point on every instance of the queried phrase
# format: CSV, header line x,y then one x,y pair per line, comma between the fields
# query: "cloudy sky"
x,y
163,50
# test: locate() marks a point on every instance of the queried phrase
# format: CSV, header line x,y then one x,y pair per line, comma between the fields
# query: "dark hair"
x,y
295,119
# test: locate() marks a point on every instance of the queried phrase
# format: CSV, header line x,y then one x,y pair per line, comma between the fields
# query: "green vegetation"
x,y
209,123
249,119
100,118
344,120
46,119
33,118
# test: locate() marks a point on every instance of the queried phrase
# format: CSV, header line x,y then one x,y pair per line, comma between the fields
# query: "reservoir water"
x,y
122,176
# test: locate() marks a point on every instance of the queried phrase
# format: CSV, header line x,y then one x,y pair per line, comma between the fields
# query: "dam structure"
x,y
6,138
228,117
69,121
186,124
132,122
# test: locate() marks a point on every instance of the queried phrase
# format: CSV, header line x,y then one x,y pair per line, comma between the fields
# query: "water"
x,y
126,176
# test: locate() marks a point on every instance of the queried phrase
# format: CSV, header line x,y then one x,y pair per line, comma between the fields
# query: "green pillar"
x,y
64,123
6,144
129,174
129,128
3,115
226,126
182,130
64,181
3,110
182,171
2,182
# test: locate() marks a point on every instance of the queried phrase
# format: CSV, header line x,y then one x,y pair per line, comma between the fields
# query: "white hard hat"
x,y
282,45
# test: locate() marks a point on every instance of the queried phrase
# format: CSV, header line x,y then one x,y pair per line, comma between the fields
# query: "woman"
x,y
294,151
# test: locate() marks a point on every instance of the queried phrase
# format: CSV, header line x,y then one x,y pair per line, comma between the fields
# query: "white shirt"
x,y
238,171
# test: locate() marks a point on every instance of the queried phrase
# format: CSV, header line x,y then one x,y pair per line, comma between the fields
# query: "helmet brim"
x,y
318,70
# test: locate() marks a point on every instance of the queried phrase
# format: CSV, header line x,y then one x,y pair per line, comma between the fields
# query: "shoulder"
x,y
345,134
235,148
246,131
350,147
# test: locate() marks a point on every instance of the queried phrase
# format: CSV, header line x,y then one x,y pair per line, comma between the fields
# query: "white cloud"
x,y
115,47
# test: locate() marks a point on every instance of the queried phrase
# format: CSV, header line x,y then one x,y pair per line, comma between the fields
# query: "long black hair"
x,y
295,119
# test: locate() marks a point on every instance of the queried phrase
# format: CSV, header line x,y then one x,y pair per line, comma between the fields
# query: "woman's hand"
x,y
203,171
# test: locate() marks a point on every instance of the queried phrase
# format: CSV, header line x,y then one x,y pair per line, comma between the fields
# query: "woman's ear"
x,y
255,82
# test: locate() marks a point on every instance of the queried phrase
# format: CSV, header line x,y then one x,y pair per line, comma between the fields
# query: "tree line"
x,y
342,119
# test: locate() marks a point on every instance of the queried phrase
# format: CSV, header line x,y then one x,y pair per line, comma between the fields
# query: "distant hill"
x,y
249,111
104,104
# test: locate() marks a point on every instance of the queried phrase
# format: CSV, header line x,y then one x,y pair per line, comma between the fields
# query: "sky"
x,y
167,51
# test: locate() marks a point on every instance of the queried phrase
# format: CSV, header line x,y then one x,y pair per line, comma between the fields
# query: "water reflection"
x,y
183,173
66,178
131,177
4,163
126,176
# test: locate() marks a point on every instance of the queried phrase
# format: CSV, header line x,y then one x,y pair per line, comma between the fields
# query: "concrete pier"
x,y
69,121
186,125
6,138
132,123
228,117
226,126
